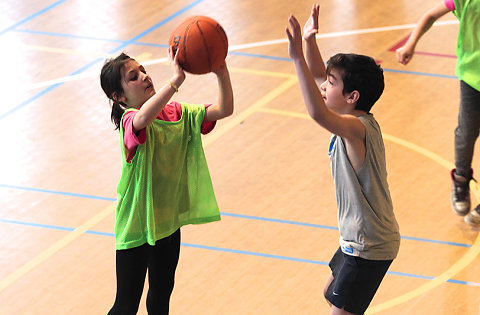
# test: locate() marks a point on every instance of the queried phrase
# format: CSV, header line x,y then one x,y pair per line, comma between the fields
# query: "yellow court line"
x,y
284,113
429,154
144,58
64,51
459,265
54,248
263,73
235,120
141,58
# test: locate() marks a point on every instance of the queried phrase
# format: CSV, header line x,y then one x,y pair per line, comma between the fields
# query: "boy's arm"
x,y
312,53
348,127
224,107
345,126
405,53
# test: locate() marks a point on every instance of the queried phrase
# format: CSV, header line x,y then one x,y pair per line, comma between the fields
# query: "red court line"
x,y
399,44
404,40
435,54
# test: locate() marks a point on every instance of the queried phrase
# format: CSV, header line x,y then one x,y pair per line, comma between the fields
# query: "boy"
x,y
369,236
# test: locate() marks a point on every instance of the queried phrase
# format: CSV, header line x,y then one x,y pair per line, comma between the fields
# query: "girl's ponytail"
x,y
111,82
118,108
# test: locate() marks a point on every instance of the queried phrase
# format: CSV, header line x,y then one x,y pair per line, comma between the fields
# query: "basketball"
x,y
201,44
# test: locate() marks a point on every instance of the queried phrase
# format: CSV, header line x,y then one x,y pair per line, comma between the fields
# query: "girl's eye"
x,y
134,78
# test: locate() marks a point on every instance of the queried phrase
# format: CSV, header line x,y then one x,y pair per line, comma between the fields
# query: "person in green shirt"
x,y
165,181
468,72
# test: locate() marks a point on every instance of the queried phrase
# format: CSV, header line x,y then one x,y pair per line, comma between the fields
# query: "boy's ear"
x,y
353,97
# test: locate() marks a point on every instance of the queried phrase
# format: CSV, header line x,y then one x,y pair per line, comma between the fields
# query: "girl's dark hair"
x,y
111,82
359,73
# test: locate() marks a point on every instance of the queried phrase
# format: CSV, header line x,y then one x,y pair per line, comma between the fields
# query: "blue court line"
x,y
444,76
44,226
236,53
236,215
402,274
244,252
259,56
149,30
237,251
435,241
31,17
336,228
317,262
28,101
475,284
120,47
57,192
251,217
71,36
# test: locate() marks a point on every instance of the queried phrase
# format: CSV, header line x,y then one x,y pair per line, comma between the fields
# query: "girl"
x,y
165,182
468,65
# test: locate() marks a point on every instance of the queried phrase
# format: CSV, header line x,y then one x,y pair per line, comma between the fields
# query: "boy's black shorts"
x,y
355,281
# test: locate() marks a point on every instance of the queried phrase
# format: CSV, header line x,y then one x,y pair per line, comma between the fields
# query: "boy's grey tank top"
x,y
366,221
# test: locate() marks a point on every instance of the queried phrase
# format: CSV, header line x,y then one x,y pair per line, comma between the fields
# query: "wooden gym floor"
x,y
60,159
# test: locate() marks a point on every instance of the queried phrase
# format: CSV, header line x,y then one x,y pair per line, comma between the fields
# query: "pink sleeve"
x,y
207,126
131,139
450,4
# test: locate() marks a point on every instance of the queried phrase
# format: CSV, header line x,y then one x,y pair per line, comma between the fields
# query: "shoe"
x,y
461,193
473,218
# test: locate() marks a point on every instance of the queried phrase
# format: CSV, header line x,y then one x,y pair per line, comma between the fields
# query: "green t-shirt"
x,y
167,183
468,43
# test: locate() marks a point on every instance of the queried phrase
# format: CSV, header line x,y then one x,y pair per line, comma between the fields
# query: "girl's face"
x,y
137,84
332,92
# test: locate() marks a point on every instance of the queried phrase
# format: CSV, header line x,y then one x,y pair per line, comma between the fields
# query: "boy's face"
x,y
332,93
137,84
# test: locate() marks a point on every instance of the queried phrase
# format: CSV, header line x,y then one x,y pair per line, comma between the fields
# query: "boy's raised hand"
x,y
311,26
294,38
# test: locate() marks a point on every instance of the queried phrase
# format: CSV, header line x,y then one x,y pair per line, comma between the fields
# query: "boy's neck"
x,y
358,113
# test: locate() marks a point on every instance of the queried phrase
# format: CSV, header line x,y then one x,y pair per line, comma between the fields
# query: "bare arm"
x,y
224,107
312,53
154,105
344,125
347,126
405,53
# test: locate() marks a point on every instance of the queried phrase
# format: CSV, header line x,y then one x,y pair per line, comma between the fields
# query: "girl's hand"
x,y
294,38
178,72
311,26
221,70
404,54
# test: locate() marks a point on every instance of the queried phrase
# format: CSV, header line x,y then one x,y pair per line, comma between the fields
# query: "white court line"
x,y
245,46
344,33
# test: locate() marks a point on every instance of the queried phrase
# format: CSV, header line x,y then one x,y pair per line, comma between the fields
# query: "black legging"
x,y
132,264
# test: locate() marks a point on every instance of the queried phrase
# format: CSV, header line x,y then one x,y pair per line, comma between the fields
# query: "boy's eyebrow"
x,y
130,71
332,76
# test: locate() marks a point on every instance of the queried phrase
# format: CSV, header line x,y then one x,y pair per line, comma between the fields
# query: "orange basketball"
x,y
201,44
